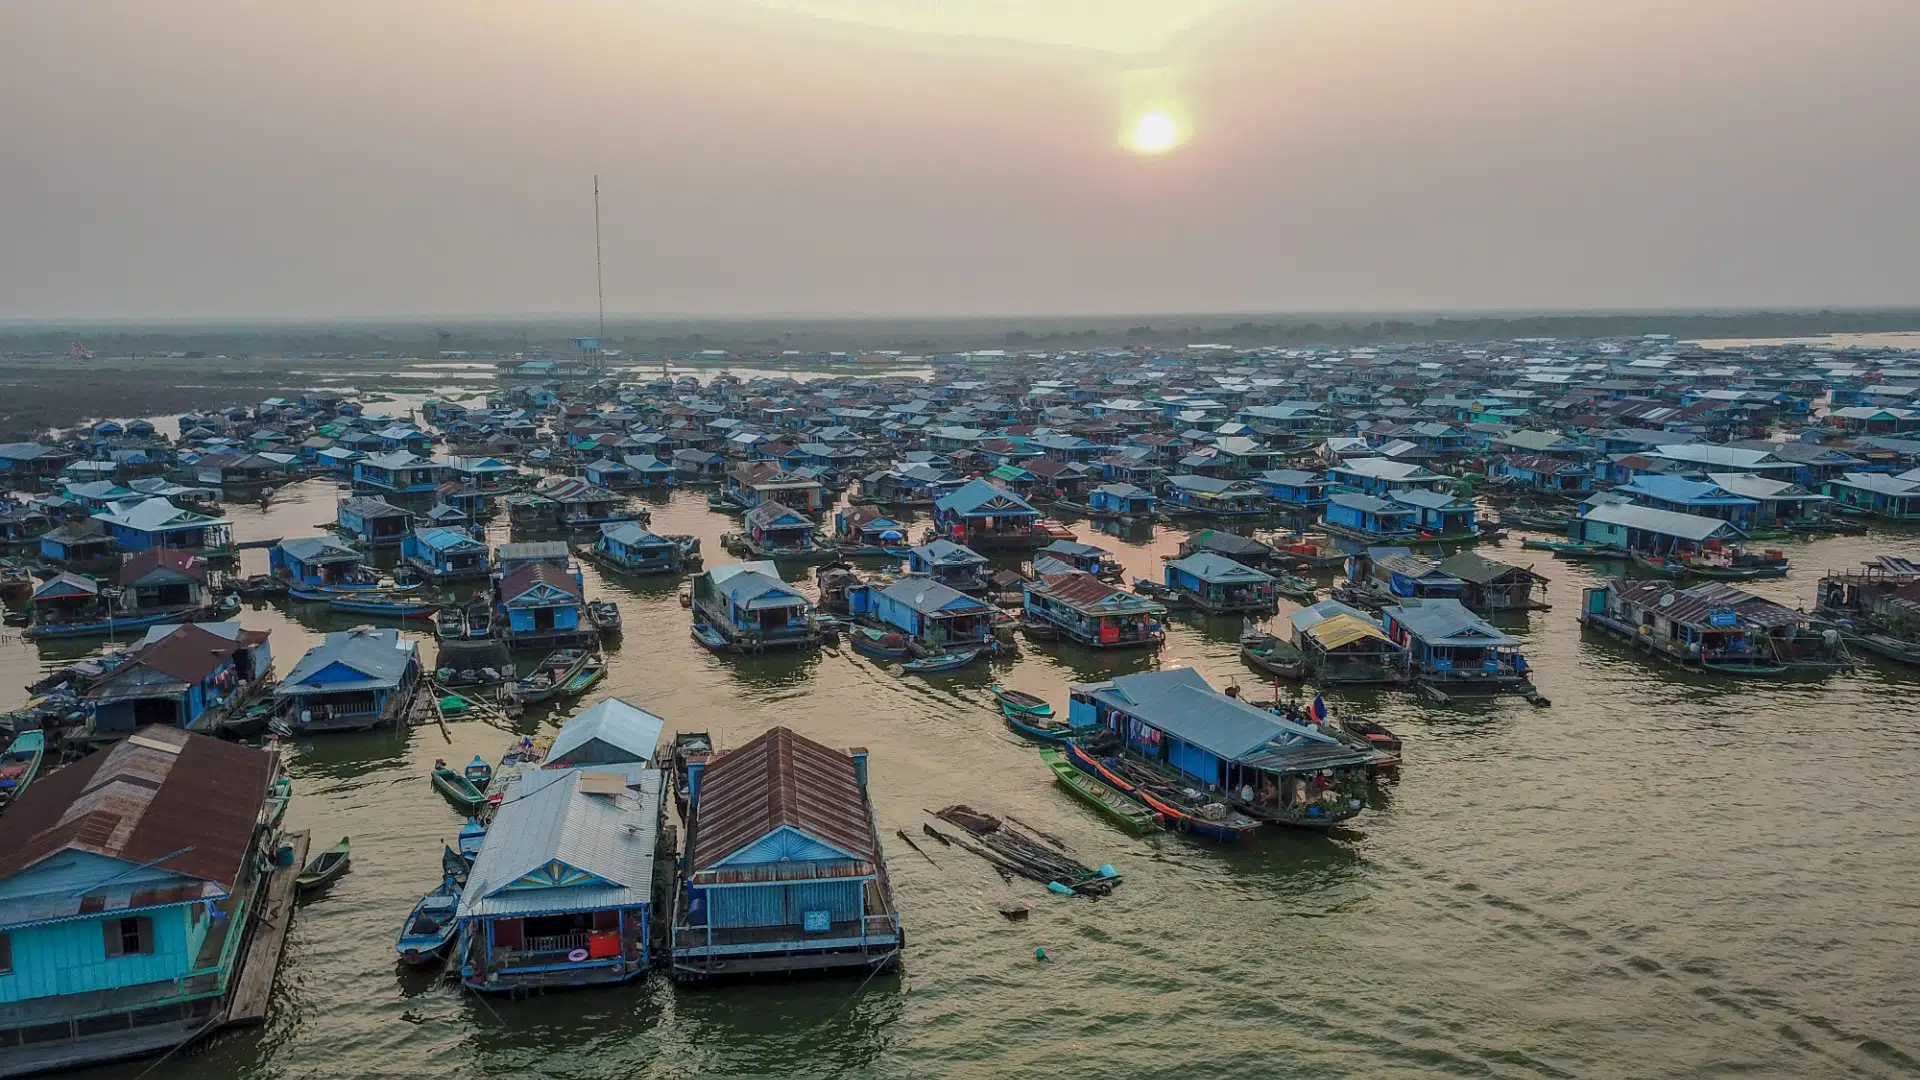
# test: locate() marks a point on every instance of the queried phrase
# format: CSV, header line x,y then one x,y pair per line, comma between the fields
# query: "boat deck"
x,y
247,1002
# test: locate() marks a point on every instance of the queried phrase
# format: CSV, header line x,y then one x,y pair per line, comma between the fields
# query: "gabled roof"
x,y
1083,592
188,655
1446,622
568,840
162,562
929,597
780,779
1181,703
1665,522
614,722
755,585
1218,569
153,514
524,579
379,657
977,496
947,553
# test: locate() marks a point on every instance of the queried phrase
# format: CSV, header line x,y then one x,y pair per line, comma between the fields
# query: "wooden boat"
x,y
605,615
1020,702
591,672
479,619
430,926
279,794
1164,795
21,763
454,865
472,836
1297,589
450,624
950,660
881,643
107,627
1272,654
550,679
478,772
686,744
1153,590
457,788
382,606
1377,736
1887,646
708,636
325,868
1575,549
1038,727
1123,811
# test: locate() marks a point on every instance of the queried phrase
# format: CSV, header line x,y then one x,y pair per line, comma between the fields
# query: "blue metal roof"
x,y
614,722
1214,568
976,496
1181,703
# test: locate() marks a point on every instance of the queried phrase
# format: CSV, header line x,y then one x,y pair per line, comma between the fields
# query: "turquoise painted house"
x,y
126,884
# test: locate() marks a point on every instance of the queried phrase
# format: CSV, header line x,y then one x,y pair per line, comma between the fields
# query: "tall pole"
x,y
599,278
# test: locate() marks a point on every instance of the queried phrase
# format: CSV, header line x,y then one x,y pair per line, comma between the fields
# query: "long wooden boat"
x,y
479,619
459,790
1116,807
385,607
21,763
279,794
454,865
708,636
1020,702
1041,729
450,624
478,772
322,593
605,615
878,643
472,836
430,926
1163,795
1576,549
1887,646
1297,589
685,745
325,868
109,626
550,679
1272,655
591,672
951,660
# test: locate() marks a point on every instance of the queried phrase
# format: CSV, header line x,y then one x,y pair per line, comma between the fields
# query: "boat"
x,y
1271,654
605,615
450,624
708,636
479,619
589,673
1377,736
1018,701
685,745
1297,589
383,605
1039,728
1133,816
325,868
1886,646
950,660
1153,590
21,763
1575,549
430,926
551,678
523,754
881,643
457,788
279,794
478,772
472,836
107,627
1165,795
455,865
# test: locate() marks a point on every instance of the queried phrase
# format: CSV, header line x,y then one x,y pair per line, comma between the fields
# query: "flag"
x,y
1319,710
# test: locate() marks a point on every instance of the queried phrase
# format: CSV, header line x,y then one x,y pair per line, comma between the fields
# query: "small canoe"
x,y
606,616
479,621
21,763
879,643
450,624
1021,702
430,926
1272,655
551,677
708,636
279,794
478,772
588,674
457,788
384,607
1130,815
472,835
1043,729
325,868
946,661
454,865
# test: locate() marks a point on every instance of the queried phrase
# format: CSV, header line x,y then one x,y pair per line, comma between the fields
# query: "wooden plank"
x,y
253,986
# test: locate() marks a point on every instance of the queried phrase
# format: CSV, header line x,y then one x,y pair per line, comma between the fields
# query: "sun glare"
x,y
1153,133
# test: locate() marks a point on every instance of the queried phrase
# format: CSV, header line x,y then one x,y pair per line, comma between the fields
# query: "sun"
x,y
1154,133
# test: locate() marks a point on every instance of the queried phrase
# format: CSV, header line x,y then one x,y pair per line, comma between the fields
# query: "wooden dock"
x,y
253,985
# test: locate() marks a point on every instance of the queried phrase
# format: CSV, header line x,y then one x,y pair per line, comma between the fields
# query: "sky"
x,y
301,158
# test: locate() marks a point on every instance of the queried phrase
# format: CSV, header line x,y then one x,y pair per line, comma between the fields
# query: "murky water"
x,y
1659,876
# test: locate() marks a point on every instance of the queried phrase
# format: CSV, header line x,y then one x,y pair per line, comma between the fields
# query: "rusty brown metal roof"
x,y
186,563
191,809
188,654
524,578
780,779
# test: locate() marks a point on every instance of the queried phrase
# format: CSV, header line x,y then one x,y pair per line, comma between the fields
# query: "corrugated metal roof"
x,y
1181,703
1214,568
1339,631
1665,522
381,655
548,819
780,779
614,722
1084,592
1446,621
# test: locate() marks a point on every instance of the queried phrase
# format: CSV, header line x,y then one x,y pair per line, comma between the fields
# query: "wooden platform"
x,y
253,985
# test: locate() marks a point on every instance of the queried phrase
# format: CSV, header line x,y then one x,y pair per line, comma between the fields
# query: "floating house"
x,y
1121,500
443,555
400,473
1093,612
1294,489
352,681
1214,496
1245,757
1713,627
609,474
864,525
80,546
145,523
312,562
633,550
561,893
953,565
540,603
163,580
489,475
774,529
1682,495
1404,573
188,678
373,521
984,517
1654,533
1381,476
1087,558
1491,587
1342,644
580,505
1542,475
612,732
1368,517
1454,650
1244,550
936,617
1439,515
784,870
749,606
129,882
1782,504
1218,585
752,483
1865,494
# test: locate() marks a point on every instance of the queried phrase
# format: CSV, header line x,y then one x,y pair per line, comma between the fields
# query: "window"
x,y
128,937
6,954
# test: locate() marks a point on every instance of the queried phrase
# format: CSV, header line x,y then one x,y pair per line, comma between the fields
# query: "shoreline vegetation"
x,y
163,367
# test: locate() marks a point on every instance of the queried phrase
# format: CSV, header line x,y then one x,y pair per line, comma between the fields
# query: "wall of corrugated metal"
x,y
1193,761
71,957
784,905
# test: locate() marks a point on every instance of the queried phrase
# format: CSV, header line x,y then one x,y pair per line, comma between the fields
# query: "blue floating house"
x,y
648,471
775,529
1243,756
78,545
1453,649
128,884
1542,474
612,732
1865,494
752,608
442,555
1382,476
1654,533
561,893
783,870
953,565
938,618
400,472
983,516
178,679
373,521
609,474
1218,585
1688,496
1295,489
1404,573
354,680
1367,517
1122,499
631,549
146,523
864,525
1440,515
541,602
1086,558
311,562
1215,496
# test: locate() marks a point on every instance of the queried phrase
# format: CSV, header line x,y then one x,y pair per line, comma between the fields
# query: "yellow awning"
x,y
1339,631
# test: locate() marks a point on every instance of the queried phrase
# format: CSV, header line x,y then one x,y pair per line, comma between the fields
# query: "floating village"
x,y
1387,518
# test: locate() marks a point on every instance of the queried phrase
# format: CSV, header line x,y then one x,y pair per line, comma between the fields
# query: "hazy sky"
x,y
199,158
